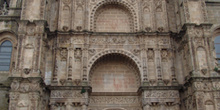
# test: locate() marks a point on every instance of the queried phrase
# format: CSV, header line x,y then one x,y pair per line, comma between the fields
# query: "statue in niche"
x,y
164,55
63,54
78,53
150,55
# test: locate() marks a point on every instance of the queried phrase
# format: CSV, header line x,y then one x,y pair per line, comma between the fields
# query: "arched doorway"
x,y
115,79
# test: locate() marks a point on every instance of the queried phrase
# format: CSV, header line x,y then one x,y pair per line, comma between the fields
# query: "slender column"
x,y
146,107
68,106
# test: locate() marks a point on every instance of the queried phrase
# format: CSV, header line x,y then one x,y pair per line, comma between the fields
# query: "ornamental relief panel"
x,y
158,5
155,41
216,85
66,94
110,40
25,86
168,97
114,100
204,86
162,94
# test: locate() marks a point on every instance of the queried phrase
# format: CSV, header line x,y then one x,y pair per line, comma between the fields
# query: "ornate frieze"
x,y
203,86
170,94
114,40
164,97
114,100
66,94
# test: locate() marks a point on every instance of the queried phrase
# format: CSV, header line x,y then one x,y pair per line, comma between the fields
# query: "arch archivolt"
x,y
95,58
7,35
123,3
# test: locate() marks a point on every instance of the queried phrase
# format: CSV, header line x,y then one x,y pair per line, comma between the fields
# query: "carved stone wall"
x,y
110,55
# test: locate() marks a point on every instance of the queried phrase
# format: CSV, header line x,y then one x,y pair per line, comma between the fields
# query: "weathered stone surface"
x,y
110,54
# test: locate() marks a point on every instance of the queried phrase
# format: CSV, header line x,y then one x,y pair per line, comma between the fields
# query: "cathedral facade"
x,y
109,55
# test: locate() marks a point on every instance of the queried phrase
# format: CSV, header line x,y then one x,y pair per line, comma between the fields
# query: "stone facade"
x,y
110,55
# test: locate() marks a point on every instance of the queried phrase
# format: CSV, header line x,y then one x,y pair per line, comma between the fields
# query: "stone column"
x,y
162,106
146,107
53,107
84,107
85,101
68,105
159,70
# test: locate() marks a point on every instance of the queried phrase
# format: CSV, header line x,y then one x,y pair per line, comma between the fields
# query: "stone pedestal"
x,y
27,94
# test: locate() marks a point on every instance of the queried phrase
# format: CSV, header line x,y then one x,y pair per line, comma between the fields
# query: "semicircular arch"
x,y
124,53
126,5
8,35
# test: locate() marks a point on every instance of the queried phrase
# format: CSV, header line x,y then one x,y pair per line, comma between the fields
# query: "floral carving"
x,y
136,52
92,52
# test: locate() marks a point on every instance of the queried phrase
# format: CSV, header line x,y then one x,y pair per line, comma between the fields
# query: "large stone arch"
x,y
122,3
132,62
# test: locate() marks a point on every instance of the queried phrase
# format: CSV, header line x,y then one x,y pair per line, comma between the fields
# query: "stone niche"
x,y
113,18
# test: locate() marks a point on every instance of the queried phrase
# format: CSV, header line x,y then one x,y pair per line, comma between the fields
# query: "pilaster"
x,y
27,86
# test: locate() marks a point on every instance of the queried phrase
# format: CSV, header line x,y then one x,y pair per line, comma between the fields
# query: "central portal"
x,y
115,79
